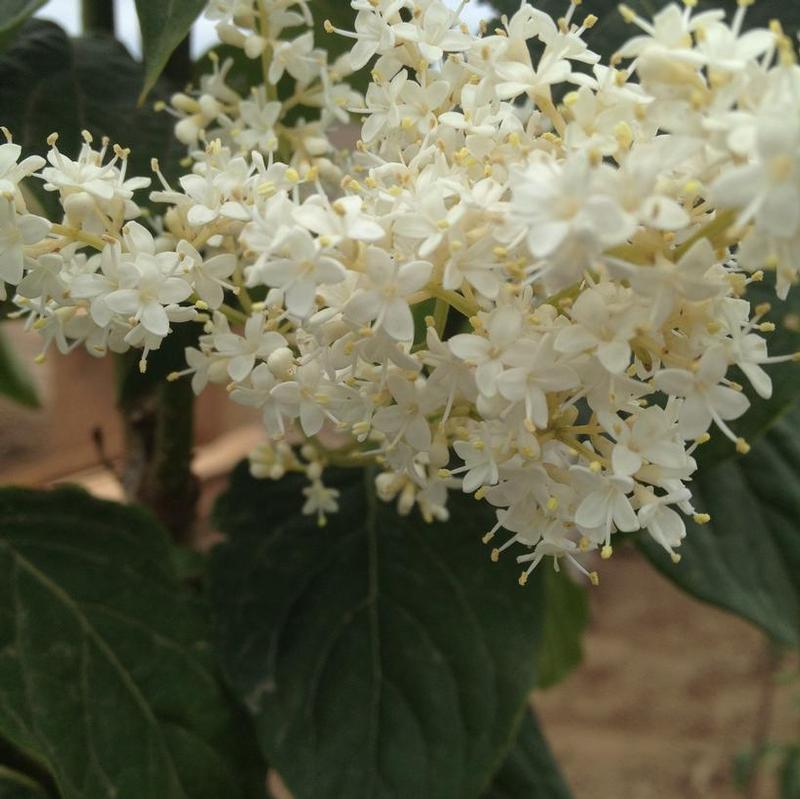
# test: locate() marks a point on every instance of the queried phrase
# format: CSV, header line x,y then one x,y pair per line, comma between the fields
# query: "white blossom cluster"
x,y
528,282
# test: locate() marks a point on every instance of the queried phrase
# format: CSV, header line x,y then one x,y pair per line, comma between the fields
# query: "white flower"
x,y
706,400
17,232
487,352
301,397
536,371
480,461
561,210
259,116
374,35
320,500
577,238
343,219
257,392
209,277
650,435
147,282
767,190
384,298
296,57
605,504
604,324
11,172
244,350
693,277
665,526
383,106
407,419
434,33
306,267
44,278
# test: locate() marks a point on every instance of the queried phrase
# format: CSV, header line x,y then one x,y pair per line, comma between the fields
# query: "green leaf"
x,y
342,16
164,25
13,13
106,674
566,614
790,774
747,560
49,82
14,785
15,383
380,656
529,770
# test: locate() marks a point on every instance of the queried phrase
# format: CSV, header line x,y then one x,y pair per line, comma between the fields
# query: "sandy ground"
x,y
668,693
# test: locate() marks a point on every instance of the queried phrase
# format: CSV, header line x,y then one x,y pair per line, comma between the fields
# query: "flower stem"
x,y
454,299
266,53
97,16
158,419
721,222
440,312
79,235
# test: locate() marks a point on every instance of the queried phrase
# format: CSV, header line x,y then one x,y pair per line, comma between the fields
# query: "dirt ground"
x,y
669,690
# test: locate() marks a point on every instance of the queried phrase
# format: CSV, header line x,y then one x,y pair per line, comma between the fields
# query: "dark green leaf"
x,y
15,383
106,675
14,785
747,560
529,770
164,25
49,82
13,13
743,767
566,614
342,16
379,656
790,774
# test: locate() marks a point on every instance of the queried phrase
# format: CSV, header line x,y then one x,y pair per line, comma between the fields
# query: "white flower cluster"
x,y
528,282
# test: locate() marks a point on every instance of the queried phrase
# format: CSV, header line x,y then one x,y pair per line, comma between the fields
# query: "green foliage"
x,y
106,675
13,13
164,25
379,656
747,560
14,785
49,82
790,774
15,383
566,614
341,16
529,771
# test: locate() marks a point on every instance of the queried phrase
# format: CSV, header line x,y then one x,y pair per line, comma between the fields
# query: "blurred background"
x,y
671,695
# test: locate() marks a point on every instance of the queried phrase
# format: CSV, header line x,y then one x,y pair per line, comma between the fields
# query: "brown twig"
x,y
99,441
